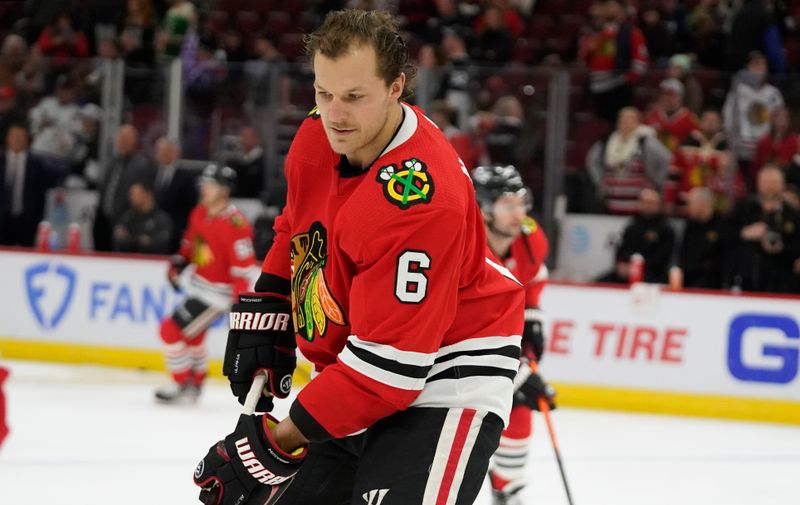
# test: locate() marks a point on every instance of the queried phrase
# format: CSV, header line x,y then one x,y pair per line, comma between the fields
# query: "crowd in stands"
x,y
665,95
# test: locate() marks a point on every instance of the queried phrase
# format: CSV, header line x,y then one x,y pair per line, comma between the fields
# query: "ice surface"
x,y
92,435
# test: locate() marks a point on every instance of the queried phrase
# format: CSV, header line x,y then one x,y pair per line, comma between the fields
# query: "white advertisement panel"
x,y
700,343
95,300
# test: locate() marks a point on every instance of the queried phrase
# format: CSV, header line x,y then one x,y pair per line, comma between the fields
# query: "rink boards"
x,y
640,349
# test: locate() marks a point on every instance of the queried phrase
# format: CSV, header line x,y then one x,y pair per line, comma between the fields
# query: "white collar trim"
x,y
406,130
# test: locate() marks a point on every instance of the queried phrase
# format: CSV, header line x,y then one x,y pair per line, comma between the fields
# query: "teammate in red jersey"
x,y
521,245
218,244
412,329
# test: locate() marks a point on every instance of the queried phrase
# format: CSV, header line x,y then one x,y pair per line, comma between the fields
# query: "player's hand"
x,y
533,332
530,387
248,463
177,264
261,339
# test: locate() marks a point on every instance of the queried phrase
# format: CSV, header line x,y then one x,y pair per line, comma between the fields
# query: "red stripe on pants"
x,y
455,455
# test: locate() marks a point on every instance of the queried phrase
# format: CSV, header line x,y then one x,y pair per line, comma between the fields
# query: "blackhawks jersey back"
x,y
395,301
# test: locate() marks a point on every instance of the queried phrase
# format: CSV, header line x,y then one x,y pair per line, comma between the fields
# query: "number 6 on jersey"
x,y
411,283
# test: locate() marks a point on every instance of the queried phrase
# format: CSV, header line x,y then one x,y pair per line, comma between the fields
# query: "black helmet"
x,y
222,175
493,181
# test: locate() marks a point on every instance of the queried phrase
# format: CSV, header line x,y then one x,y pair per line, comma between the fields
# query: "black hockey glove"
x,y
529,387
177,264
261,338
247,465
533,333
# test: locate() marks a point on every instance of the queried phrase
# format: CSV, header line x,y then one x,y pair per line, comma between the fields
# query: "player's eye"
x,y
353,98
324,94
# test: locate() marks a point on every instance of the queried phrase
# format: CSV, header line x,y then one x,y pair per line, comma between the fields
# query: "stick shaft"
x,y
545,409
254,394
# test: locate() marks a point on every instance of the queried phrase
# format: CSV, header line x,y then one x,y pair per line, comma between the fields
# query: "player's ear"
x,y
397,86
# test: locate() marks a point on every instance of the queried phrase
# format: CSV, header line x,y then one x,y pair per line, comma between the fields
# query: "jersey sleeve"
x,y
185,249
241,254
540,247
403,298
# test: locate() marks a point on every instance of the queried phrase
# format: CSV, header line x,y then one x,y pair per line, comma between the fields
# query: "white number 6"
x,y
411,283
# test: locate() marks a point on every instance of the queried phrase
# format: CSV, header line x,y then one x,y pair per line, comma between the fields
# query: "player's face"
x,y
508,214
354,103
211,193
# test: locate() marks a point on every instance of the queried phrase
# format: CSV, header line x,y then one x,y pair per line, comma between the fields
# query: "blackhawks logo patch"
x,y
407,185
313,305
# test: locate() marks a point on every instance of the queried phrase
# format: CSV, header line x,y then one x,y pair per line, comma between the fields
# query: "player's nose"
x,y
337,112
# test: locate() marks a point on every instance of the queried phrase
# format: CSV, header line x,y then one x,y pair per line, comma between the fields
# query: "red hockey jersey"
x,y
395,300
526,261
672,129
221,249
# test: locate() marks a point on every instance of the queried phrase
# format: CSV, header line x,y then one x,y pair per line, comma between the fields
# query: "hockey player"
x,y
413,331
521,245
218,243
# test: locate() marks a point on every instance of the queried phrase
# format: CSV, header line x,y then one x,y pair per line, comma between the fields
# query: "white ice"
x,y
92,435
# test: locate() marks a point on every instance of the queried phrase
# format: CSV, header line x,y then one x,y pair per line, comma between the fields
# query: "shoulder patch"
x,y
407,185
529,225
314,113
237,220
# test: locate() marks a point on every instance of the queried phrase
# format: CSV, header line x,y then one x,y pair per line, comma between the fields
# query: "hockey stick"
x,y
250,401
545,410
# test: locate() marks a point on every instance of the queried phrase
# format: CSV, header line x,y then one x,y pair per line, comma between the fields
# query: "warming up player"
x,y
521,245
413,332
218,243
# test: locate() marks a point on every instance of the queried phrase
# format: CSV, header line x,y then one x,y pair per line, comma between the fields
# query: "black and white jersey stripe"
x,y
474,373
386,364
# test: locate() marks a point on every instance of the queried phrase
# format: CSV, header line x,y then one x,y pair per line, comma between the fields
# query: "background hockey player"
x,y
521,245
218,244
413,332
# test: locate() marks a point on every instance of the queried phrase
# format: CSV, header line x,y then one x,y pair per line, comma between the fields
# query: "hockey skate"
x,y
178,394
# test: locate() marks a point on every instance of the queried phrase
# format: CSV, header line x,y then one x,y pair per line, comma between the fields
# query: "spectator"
x,y
126,168
754,29
13,54
143,228
54,122
175,188
704,244
679,67
648,234
265,69
179,21
704,160
449,16
137,42
779,145
747,110
494,40
86,153
61,43
660,43
705,26
25,182
617,57
503,141
629,160
203,78
672,121
249,165
768,237
429,76
792,177
10,111
458,78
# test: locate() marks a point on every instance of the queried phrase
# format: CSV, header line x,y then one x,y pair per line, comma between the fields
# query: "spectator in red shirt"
x,y
779,145
60,42
672,121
